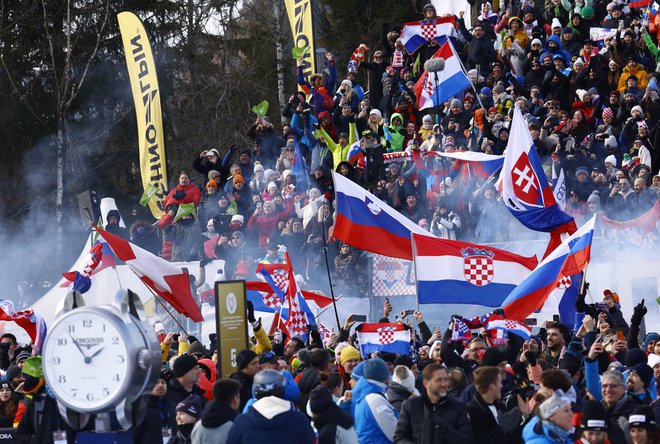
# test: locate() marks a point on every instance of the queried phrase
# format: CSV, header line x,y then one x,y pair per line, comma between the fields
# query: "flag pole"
x,y
166,309
466,74
327,268
583,287
414,252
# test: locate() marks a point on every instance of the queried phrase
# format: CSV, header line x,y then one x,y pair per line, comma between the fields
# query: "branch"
x,y
75,89
20,95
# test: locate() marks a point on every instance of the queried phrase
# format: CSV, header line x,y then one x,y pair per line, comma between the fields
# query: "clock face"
x,y
86,360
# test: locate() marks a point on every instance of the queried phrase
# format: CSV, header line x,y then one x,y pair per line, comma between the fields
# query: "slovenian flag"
x,y
416,34
366,222
453,272
383,337
355,153
509,325
525,188
569,259
481,164
433,89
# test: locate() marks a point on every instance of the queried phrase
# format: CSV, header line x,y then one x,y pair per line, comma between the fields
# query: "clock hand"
x,y
97,352
78,346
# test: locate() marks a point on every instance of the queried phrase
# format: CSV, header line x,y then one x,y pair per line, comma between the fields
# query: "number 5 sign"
x,y
231,323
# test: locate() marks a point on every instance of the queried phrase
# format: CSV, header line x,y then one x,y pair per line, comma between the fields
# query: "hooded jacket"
x,y
395,135
335,425
217,419
559,50
271,420
375,418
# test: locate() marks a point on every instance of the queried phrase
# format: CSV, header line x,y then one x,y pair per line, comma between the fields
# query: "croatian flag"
x,y
366,222
33,324
453,272
525,188
481,164
377,337
433,89
568,259
509,325
460,331
416,34
166,279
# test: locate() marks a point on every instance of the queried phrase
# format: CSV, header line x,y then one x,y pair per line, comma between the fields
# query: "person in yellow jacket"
x,y
339,150
633,68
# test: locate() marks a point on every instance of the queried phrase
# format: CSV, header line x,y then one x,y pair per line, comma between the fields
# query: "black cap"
x,y
593,417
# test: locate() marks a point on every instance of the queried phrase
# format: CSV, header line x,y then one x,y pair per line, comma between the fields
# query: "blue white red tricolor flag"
x,y
433,89
570,258
355,153
481,164
28,320
366,222
454,272
383,337
416,34
525,188
562,299
509,325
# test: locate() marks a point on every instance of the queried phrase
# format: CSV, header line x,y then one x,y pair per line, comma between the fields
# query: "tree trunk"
x,y
59,186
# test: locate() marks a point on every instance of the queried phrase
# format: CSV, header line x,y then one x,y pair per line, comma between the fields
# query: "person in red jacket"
x,y
265,220
184,193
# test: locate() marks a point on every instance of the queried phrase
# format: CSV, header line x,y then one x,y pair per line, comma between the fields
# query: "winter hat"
x,y
268,173
238,179
183,364
404,376
404,360
580,92
567,30
593,417
642,417
594,198
636,108
347,82
12,372
653,84
349,353
587,11
197,347
455,103
237,218
213,174
579,61
192,405
377,112
436,344
653,360
553,404
427,119
212,152
499,88
556,23
615,296
486,91
358,371
611,142
582,169
635,356
644,372
376,370
607,112
212,184
493,357
244,357
647,339
34,375
537,42
23,356
258,167
320,400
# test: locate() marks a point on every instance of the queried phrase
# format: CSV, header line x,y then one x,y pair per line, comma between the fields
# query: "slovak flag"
x,y
366,222
525,188
501,323
383,337
433,89
416,34
568,259
454,272
166,279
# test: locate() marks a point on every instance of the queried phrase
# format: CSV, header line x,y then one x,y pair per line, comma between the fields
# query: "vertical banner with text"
x,y
231,323
146,96
302,29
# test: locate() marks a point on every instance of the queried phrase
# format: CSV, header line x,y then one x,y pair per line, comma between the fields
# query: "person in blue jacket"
x,y
554,423
271,419
375,418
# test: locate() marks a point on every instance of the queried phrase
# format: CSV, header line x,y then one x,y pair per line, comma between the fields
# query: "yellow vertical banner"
x,y
302,28
146,96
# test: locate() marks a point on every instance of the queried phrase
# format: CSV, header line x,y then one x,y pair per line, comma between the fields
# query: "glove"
x,y
250,312
179,195
192,339
639,311
315,335
580,304
532,357
499,311
204,261
232,148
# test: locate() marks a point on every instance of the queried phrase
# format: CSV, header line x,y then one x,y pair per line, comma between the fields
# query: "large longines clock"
x,y
98,359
